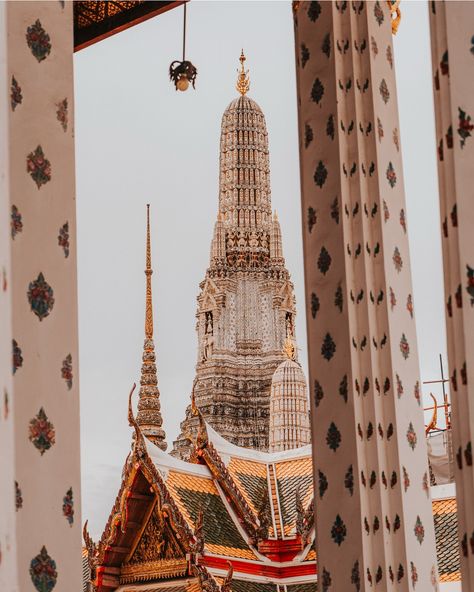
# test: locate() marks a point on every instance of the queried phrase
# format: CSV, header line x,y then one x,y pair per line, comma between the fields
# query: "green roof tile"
x,y
218,527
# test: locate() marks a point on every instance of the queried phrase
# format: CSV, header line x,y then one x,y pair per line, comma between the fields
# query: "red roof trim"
x,y
307,568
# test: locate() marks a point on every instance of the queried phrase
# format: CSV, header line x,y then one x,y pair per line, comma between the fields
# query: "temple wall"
x,y
374,520
452,51
42,291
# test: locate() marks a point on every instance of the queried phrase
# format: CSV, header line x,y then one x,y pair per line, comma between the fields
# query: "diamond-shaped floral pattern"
x,y
43,571
328,349
41,297
419,530
41,432
333,437
338,531
38,166
38,41
411,436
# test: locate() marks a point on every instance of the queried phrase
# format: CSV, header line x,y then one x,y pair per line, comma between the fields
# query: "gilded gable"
x,y
157,541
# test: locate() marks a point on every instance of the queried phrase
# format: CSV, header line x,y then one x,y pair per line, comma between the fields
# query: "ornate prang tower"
x,y
246,307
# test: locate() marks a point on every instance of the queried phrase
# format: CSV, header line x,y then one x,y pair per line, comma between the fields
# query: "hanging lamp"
x,y
182,73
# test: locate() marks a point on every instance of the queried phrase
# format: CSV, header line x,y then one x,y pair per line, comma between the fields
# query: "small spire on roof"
x,y
243,80
149,410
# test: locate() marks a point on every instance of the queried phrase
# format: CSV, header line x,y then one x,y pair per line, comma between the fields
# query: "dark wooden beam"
x,y
140,496
121,550
101,29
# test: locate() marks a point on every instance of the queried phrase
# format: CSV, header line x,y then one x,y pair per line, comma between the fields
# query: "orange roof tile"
x,y
293,475
446,531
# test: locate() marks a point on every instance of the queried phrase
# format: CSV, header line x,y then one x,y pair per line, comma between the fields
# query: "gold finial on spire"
x,y
148,272
243,80
289,349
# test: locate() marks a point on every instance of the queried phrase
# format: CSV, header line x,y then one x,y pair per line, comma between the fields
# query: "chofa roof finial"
x,y
243,80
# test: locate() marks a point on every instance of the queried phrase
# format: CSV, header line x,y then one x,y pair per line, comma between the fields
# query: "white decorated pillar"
x,y
39,293
8,569
452,49
373,508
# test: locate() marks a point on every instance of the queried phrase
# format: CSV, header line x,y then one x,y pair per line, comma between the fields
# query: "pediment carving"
x,y
287,296
157,542
207,298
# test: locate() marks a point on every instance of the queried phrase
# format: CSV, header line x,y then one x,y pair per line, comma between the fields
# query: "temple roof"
x,y
289,368
446,530
207,513
224,447
193,488
213,511
241,104
94,21
282,474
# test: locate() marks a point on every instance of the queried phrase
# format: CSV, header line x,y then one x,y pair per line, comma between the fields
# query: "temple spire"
x,y
289,405
149,410
276,248
148,273
243,80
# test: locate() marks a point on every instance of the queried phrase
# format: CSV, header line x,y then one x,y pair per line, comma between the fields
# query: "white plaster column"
x,y
373,508
8,569
452,49
41,278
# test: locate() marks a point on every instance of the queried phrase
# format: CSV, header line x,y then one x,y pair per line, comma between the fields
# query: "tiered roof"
x,y
226,521
231,520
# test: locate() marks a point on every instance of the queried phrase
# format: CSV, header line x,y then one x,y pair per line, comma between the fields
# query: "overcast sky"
x,y
139,141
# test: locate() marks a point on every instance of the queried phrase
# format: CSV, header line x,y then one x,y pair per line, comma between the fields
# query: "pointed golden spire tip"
x,y
148,272
243,80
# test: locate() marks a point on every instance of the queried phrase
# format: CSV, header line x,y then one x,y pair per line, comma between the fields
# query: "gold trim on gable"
x,y
165,568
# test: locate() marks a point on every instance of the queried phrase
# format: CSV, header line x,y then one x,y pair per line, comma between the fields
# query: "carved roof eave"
x,y
207,582
186,536
207,452
307,525
153,476
119,513
138,461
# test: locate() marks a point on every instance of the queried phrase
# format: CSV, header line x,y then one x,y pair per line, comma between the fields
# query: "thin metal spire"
x,y
148,273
